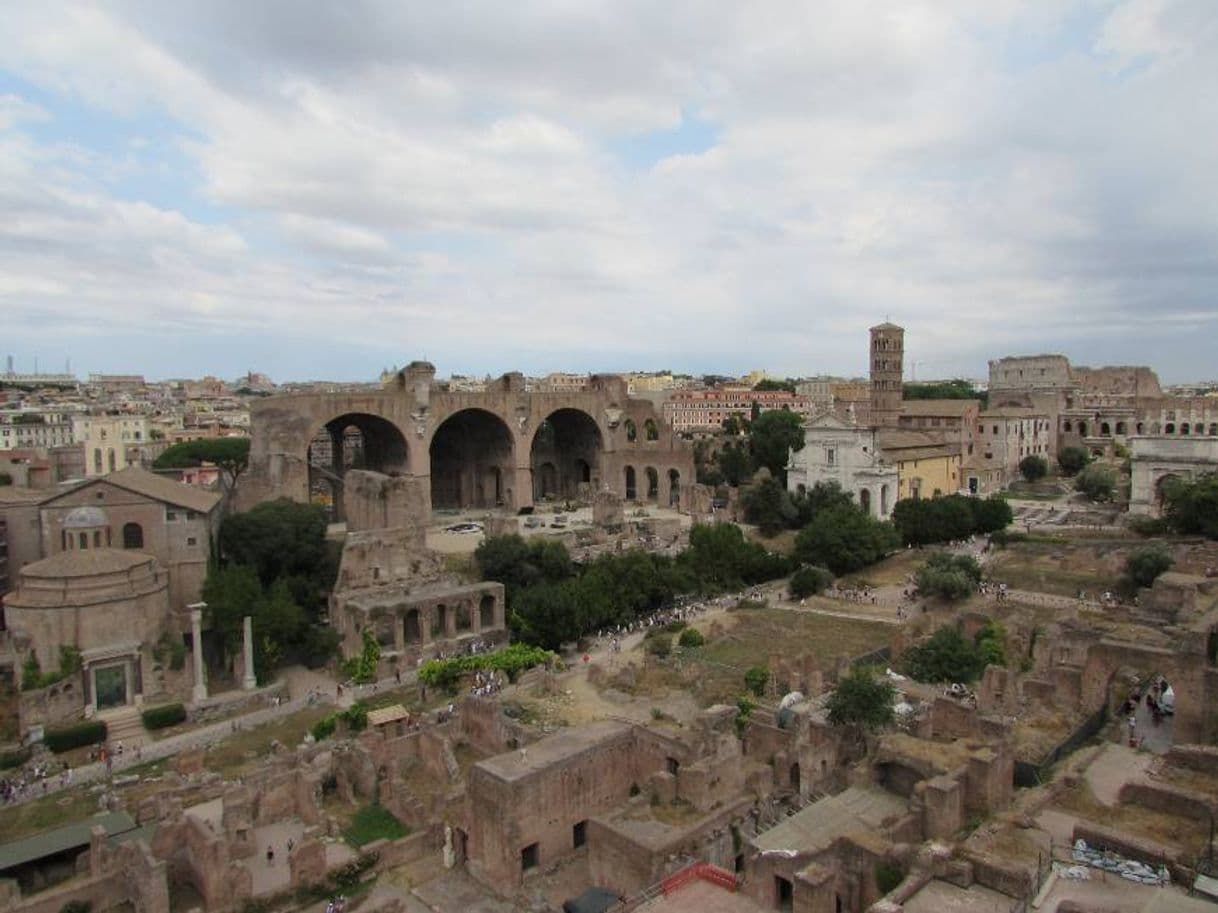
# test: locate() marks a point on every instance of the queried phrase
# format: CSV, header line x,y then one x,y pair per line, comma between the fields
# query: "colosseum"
x,y
503,447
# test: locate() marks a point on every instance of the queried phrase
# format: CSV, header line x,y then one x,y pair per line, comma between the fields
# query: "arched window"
x,y
631,485
133,535
653,433
653,484
110,460
1139,427
1169,428
1066,426
1184,428
1120,427
632,433
1105,429
97,459
1082,429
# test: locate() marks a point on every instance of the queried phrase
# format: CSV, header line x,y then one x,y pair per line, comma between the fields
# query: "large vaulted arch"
x,y
566,452
354,440
473,462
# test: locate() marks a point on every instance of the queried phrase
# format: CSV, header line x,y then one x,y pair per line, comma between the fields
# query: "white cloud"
x,y
977,171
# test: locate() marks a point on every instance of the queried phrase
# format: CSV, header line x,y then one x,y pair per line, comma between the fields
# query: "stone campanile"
x,y
887,367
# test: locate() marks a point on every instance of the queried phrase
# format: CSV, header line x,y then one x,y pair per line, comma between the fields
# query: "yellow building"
x,y
928,464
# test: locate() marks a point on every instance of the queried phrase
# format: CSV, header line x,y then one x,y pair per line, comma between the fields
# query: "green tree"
x,y
1071,460
771,385
1144,565
1033,467
735,424
691,637
5,479
735,463
945,657
862,699
990,514
1097,482
821,496
991,645
549,614
767,504
923,521
949,576
809,581
1191,507
286,540
844,539
231,593
756,678
518,564
943,389
772,437
231,454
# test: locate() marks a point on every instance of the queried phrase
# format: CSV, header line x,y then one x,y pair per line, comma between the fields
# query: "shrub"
x,y
11,759
887,876
1072,459
66,738
862,698
949,576
808,581
673,627
163,716
691,637
1146,564
658,646
1033,467
1149,526
756,678
844,539
511,661
945,657
1097,482
324,728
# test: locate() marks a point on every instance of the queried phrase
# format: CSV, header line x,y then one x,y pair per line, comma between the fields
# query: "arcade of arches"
x,y
472,462
565,454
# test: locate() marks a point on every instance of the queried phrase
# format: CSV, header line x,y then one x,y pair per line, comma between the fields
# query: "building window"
x,y
133,535
579,834
191,540
171,515
528,857
830,456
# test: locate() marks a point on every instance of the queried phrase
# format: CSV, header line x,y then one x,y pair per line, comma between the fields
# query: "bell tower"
x,y
887,372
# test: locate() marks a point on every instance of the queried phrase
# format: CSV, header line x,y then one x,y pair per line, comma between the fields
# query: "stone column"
x,y
196,636
250,681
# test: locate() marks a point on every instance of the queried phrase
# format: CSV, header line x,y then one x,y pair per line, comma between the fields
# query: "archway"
x,y
653,484
865,500
674,488
631,484
1163,487
355,440
1105,429
565,452
1082,429
133,535
1120,427
471,454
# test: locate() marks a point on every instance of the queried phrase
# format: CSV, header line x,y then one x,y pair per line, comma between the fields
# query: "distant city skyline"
x,y
194,188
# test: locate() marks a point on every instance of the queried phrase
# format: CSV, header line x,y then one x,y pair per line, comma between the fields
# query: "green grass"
x,y
374,822
42,814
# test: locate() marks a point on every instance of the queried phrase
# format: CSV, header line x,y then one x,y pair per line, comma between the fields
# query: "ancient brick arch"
x,y
1192,676
590,443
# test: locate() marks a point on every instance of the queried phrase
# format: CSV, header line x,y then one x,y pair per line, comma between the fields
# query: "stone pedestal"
x,y
249,682
196,635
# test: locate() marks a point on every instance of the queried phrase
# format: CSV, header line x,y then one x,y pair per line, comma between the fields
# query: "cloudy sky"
x,y
323,189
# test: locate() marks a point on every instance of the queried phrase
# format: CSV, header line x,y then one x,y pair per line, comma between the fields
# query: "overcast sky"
x,y
325,189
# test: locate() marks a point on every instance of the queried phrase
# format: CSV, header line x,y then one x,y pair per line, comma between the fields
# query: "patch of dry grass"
x,y
1171,830
54,810
244,750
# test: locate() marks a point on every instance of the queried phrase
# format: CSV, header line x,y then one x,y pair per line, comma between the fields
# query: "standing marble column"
x,y
196,636
250,682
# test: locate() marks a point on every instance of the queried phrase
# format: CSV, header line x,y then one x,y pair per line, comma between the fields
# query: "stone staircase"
x,y
124,724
